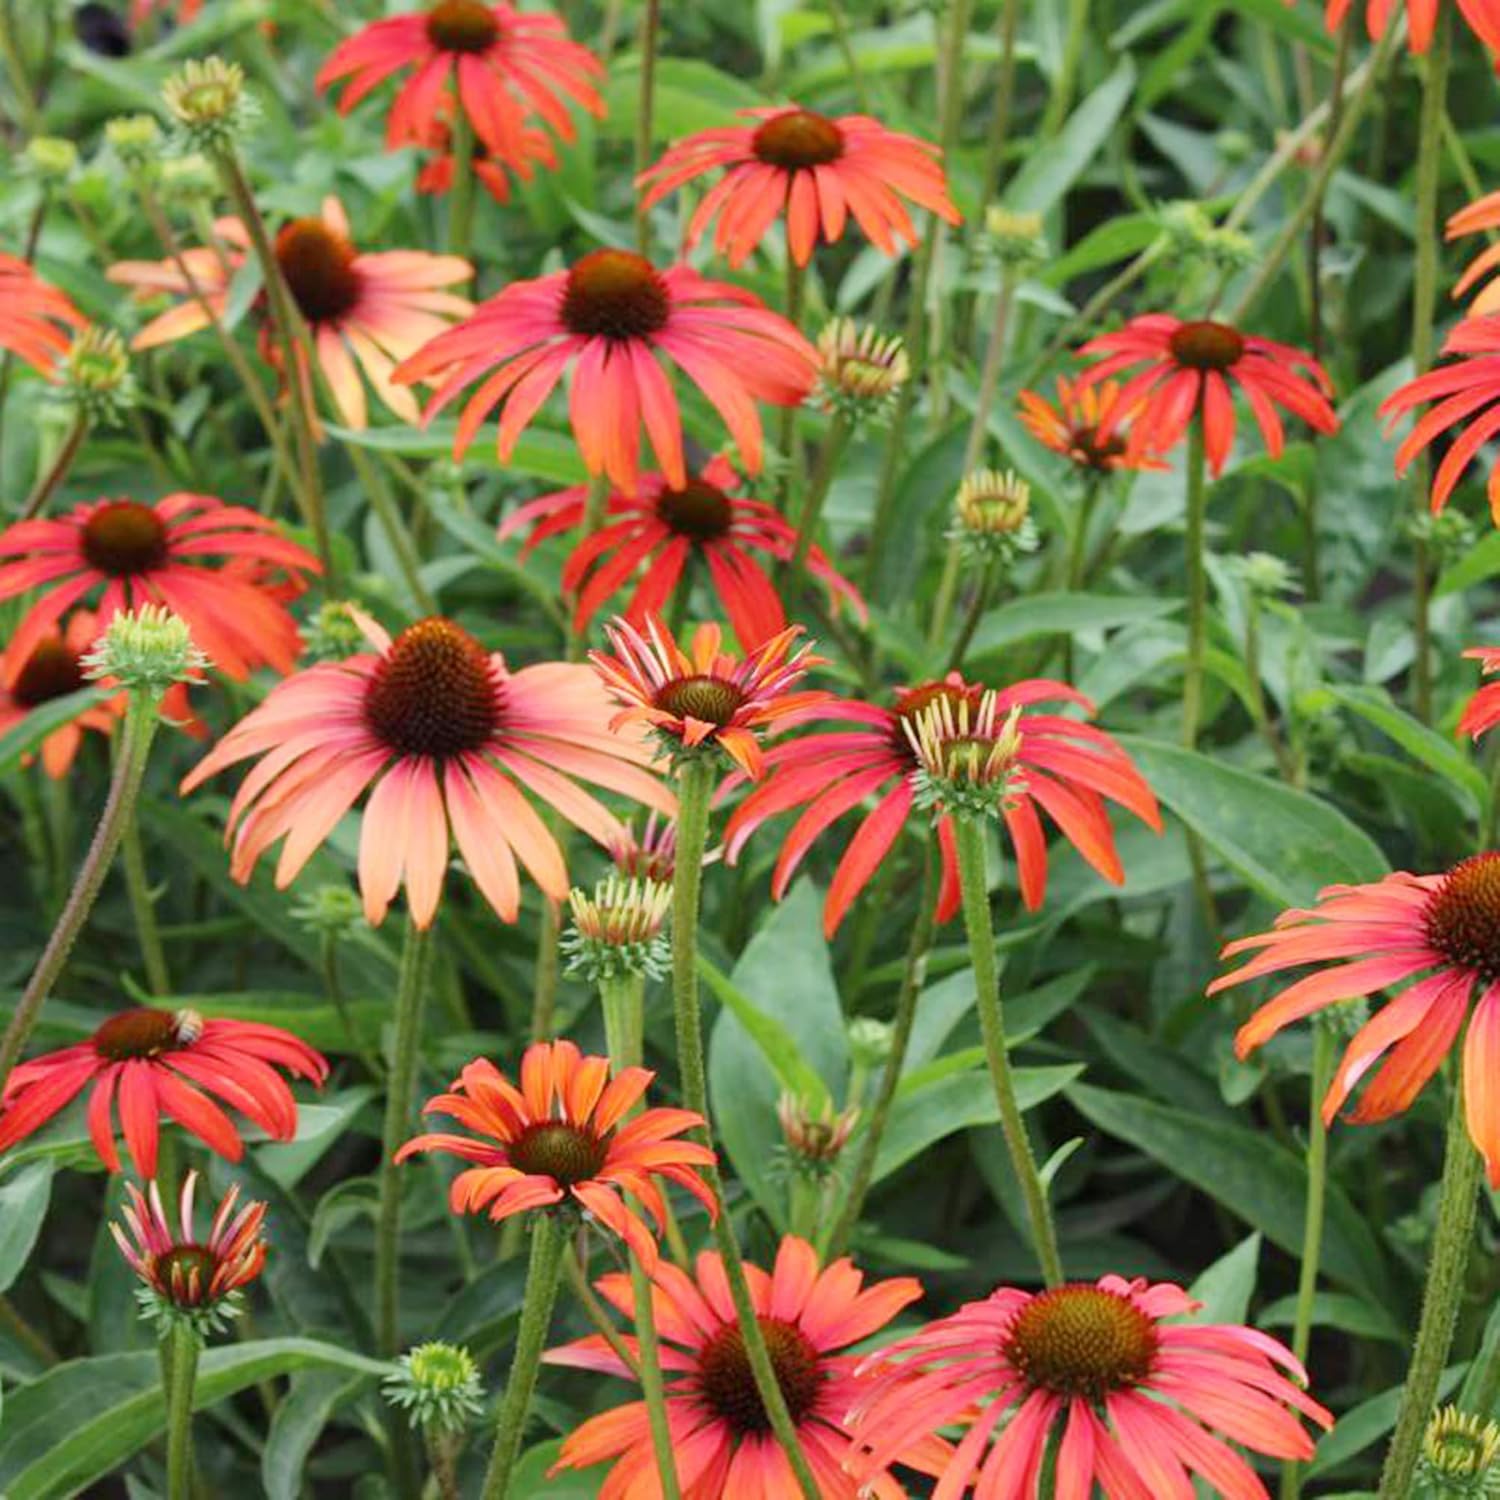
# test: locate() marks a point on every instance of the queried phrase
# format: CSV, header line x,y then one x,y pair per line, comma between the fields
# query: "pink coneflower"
x,y
1482,16
1085,425
53,669
149,1063
34,317
721,1436
445,738
560,1138
1137,1403
817,171
1483,710
1191,369
1440,931
1063,767
607,320
134,554
501,63
649,538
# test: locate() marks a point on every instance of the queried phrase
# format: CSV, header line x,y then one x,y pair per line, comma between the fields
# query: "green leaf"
x,y
1365,1424
1226,1287
776,1044
690,95
1341,1310
319,1126
538,454
354,1198
297,1425
23,1205
26,738
1061,614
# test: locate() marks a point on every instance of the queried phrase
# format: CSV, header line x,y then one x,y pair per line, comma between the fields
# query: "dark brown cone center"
x,y
185,1273
51,671
566,1153
124,537
1207,345
319,269
728,1382
1094,453
615,294
1082,1341
798,138
710,700
433,692
1463,919
141,1032
462,26
699,511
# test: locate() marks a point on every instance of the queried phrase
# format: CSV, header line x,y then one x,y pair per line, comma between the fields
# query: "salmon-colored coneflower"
x,y
1085,426
51,670
34,317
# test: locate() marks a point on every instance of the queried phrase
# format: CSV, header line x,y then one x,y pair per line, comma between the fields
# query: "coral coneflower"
x,y
149,1063
721,1435
502,65
1439,931
1136,1399
702,697
1191,369
1062,767
607,320
34,317
126,554
493,172
1085,426
1483,710
1482,16
661,529
444,737
816,170
562,1137
53,669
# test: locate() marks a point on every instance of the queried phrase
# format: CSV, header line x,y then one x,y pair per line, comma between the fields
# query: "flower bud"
x,y
438,1384
1460,1455
50,158
1015,241
618,930
332,911
207,99
862,369
992,515
814,1140
135,139
966,753
870,1042
95,375
145,650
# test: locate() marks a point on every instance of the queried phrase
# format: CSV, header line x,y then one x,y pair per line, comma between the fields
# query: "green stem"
x,y
622,999
645,113
1078,549
1452,1242
393,524
845,42
1197,582
20,83
124,788
543,1271
142,908
461,191
786,432
1315,236
974,879
812,502
57,470
1060,99
184,1373
975,613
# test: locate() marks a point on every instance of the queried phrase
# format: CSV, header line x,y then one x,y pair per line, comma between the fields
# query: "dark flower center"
x,y
710,700
51,671
319,269
912,702
553,1148
462,26
798,138
124,537
144,1032
1463,919
99,29
615,294
1094,454
433,692
1082,1341
1207,345
185,1273
728,1382
699,511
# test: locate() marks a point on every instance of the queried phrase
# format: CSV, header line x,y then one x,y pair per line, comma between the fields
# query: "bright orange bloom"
x,y
493,172
52,670
151,1063
1139,1397
1483,17
817,171
1085,426
30,315
364,310
1479,217
610,320
721,1436
701,696
1483,711
1440,931
559,1137
447,736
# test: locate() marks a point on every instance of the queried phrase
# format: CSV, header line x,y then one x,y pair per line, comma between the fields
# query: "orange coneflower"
x,y
721,1435
30,315
1085,426
559,1137
1483,710
53,669
607,320
1483,17
816,170
1135,1399
447,736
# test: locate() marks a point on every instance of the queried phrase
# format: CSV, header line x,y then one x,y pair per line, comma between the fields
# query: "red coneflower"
x,y
53,669
1191,368
702,697
662,527
436,176
447,736
30,315
607,319
721,1436
817,171
1086,426
136,554
1136,1401
149,1063
1437,930
1063,767
1483,17
502,64
1483,710
559,1137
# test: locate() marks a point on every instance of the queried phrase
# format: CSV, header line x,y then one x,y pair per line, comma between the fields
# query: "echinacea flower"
x,y
125,554
149,1063
1483,710
816,170
1482,16
1137,1399
502,65
1191,370
1062,767
607,320
53,669
34,317
562,1138
492,172
1435,934
650,538
721,1436
702,698
1480,217
444,737
1085,426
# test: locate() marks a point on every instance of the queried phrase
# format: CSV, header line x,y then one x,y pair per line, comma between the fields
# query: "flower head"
x,y
208,102
1086,426
968,755
53,669
814,1137
558,1140
438,1385
611,319
1136,1398
1481,16
721,1434
1460,1455
96,378
445,738
145,650
992,516
491,171
618,930
34,317
860,369
1435,934
184,1278
1017,241
815,170
51,158
151,1063
650,856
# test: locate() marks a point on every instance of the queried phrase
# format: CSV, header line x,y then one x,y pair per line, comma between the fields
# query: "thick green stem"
x,y
974,879
645,121
183,1364
57,470
143,909
1452,1243
1197,582
461,190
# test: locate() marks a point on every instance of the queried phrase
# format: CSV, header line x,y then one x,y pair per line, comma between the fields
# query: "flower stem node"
x,y
96,378
861,370
146,650
617,932
1460,1456
208,101
967,754
135,139
438,1385
992,516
